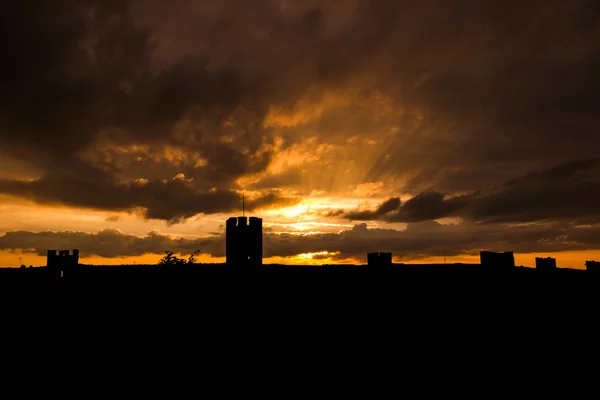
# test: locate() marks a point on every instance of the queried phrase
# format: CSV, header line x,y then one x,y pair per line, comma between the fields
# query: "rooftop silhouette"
x,y
592,266
379,259
497,260
547,263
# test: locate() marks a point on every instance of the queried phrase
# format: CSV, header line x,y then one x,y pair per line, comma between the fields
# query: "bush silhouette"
x,y
171,259
192,259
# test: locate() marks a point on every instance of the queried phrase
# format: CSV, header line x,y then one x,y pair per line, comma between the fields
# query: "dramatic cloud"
x,y
108,243
388,206
100,120
425,206
569,193
418,240
167,200
172,111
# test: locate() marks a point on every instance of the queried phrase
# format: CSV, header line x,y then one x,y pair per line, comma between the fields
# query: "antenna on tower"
x,y
243,204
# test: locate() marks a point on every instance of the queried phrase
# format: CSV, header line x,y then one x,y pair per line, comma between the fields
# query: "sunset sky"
x,y
421,127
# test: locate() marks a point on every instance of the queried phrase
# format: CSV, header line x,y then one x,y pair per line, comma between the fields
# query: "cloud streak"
x,y
418,240
433,100
569,192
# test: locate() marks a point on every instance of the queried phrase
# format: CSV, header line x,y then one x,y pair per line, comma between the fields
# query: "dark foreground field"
x,y
300,279
306,299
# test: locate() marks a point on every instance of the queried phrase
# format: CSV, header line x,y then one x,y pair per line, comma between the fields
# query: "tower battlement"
x,y
64,258
244,241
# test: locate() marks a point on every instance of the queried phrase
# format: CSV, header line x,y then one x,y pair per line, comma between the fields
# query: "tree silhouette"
x,y
170,259
192,259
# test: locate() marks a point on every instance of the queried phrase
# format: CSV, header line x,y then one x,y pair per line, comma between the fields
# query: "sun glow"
x,y
311,255
316,258
294,211
309,227
312,206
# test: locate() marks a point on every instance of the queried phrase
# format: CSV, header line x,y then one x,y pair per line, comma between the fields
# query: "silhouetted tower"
x,y
548,263
255,241
379,259
497,260
63,259
592,266
243,242
63,263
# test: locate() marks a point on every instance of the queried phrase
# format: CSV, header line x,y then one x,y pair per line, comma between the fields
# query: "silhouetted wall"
x,y
379,259
592,266
497,260
243,241
545,263
234,241
255,241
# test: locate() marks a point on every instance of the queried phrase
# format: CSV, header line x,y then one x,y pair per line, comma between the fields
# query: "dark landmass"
x,y
214,277
307,300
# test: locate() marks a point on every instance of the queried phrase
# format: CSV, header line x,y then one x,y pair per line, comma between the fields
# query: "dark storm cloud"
x,y
425,206
425,239
432,239
108,243
166,200
477,93
508,90
270,200
417,241
388,206
79,76
568,192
